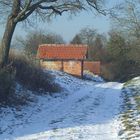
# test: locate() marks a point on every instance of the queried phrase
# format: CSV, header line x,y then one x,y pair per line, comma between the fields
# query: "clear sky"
x,y
67,27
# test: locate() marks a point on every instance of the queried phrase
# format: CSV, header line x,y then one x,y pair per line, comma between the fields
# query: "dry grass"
x,y
106,72
30,75
7,83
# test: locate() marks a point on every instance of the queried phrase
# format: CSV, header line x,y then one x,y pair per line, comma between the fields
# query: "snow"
x,y
131,114
90,76
85,110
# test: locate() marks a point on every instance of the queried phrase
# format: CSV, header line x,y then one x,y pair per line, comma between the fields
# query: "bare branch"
x,y
48,7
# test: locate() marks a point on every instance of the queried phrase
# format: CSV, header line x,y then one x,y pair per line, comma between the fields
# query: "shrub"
x,y
106,72
32,76
7,83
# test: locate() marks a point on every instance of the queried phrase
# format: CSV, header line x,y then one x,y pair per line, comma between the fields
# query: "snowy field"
x,y
85,110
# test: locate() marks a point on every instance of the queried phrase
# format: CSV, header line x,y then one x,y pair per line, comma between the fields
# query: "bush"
x,y
32,76
122,59
106,72
7,83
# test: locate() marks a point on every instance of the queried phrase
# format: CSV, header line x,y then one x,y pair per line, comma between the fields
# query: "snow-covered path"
x,y
89,111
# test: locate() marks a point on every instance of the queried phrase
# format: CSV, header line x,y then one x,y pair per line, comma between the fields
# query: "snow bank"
x,y
88,111
131,114
90,76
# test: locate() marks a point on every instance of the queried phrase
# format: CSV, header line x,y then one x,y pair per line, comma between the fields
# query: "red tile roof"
x,y
62,51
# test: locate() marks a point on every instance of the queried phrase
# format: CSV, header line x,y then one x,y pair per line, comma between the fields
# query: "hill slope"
x,y
131,109
84,110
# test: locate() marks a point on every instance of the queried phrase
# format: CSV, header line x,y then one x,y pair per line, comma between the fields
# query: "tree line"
x,y
120,59
118,50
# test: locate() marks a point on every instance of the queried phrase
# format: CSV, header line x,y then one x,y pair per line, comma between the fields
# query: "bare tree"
x,y
21,10
87,36
76,40
35,38
126,17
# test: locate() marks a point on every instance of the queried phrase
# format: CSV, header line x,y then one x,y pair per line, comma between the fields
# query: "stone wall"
x,y
72,67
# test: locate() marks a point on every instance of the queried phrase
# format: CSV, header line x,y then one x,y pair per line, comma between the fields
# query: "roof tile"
x,y
62,51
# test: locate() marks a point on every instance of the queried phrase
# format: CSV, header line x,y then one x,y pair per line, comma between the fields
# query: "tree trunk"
x,y
6,41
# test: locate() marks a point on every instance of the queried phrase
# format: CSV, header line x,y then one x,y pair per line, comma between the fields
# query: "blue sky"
x,y
68,27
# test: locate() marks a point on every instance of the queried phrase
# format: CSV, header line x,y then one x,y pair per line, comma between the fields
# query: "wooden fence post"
x,y
82,68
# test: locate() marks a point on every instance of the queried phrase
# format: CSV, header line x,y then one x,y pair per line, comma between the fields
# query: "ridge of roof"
x,y
61,45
